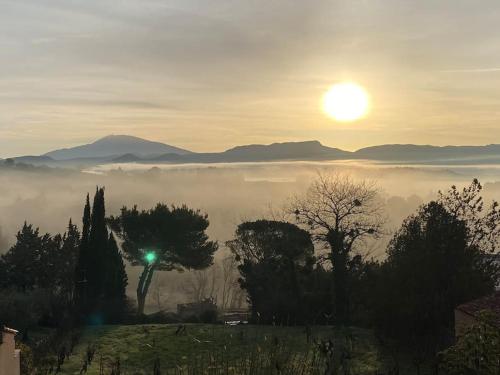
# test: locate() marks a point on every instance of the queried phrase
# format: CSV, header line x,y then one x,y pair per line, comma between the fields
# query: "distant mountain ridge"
x,y
128,149
410,152
115,145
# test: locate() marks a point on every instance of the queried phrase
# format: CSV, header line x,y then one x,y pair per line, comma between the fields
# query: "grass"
x,y
224,349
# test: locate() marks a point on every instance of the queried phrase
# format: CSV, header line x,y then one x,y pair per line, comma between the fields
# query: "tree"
x,y
22,261
203,284
341,213
430,269
482,223
274,257
163,238
101,279
230,289
116,282
83,261
67,264
98,242
42,266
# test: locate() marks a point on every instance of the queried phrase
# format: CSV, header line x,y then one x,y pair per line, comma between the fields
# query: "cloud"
x,y
228,71
473,70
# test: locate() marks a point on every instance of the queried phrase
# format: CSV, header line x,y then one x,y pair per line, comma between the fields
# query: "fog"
x,y
228,193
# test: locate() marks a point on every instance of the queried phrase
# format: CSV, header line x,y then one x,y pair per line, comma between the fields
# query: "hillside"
x,y
217,346
115,145
422,153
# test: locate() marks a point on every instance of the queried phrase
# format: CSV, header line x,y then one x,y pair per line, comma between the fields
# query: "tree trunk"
x,y
143,287
339,259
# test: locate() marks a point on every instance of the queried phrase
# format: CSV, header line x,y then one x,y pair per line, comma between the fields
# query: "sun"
x,y
346,102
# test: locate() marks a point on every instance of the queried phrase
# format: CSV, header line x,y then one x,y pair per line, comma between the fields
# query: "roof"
x,y
490,302
9,330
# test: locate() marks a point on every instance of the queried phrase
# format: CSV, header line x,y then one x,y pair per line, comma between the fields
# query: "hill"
x,y
308,150
424,153
129,149
115,145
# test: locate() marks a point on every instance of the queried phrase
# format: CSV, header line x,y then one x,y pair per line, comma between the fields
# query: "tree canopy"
x,y
163,238
431,268
274,260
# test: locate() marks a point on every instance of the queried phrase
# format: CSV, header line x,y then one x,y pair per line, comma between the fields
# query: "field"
x,y
219,349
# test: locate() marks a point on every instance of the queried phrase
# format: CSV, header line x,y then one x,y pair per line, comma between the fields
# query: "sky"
x,y
208,75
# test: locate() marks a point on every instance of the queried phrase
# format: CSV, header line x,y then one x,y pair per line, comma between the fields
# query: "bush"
x,y
23,311
476,352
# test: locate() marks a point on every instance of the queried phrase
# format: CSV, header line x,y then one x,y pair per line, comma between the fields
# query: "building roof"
x,y
490,303
8,330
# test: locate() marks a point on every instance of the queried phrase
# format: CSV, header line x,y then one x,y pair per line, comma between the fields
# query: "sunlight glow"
x,y
346,102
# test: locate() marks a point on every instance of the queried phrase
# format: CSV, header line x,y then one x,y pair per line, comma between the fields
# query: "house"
x,y
467,313
9,355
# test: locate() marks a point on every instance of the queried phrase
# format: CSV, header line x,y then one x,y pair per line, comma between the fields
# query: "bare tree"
x,y
203,284
341,213
158,291
229,281
483,222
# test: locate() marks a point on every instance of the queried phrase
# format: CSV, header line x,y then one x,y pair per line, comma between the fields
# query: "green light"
x,y
150,257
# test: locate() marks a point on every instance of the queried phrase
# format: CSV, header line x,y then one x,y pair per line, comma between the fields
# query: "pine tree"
x,y
23,259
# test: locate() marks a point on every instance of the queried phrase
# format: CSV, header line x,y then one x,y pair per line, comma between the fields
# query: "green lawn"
x,y
219,349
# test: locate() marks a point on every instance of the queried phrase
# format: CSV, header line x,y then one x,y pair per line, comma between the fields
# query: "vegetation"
x,y
476,352
429,271
276,261
340,213
311,270
164,239
100,271
232,350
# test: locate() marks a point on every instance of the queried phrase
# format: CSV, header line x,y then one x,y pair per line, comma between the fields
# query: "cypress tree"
x,y
69,258
86,222
101,271
116,281
97,245
82,263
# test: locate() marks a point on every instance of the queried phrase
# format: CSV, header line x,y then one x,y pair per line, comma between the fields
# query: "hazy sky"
x,y
207,75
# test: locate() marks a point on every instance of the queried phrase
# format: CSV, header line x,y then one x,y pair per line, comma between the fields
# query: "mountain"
x,y
33,159
128,149
115,146
308,150
427,153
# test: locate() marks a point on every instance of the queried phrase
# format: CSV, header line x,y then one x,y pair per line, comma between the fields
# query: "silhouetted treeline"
x,y
64,280
311,267
437,260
